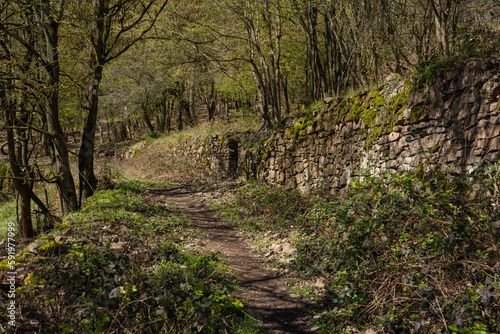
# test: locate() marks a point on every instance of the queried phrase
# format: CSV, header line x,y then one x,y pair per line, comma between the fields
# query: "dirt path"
x,y
264,295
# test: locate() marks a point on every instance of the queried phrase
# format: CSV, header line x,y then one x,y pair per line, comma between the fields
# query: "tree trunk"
x,y
441,35
88,181
100,133
170,109
26,224
65,182
163,117
146,119
109,131
192,102
445,15
210,102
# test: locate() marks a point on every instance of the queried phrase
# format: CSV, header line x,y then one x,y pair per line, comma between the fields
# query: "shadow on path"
x,y
264,294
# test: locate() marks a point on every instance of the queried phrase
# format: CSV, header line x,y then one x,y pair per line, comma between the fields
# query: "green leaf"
x,y
237,303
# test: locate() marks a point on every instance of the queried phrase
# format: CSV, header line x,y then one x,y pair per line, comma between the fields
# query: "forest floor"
x,y
264,292
224,256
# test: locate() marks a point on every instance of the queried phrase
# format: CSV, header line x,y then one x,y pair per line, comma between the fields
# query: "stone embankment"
x,y
452,124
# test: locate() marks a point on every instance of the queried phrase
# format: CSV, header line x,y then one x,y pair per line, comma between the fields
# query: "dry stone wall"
x,y
451,125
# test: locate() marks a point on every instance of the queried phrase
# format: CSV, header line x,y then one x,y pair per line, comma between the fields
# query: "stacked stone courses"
x,y
452,124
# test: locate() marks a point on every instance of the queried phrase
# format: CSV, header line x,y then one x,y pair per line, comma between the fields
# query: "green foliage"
x,y
269,208
153,135
361,106
185,292
468,44
5,173
158,286
380,236
311,118
398,103
417,113
426,70
397,251
71,118
476,44
315,105
7,214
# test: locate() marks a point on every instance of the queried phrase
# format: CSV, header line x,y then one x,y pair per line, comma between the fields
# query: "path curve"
x,y
264,295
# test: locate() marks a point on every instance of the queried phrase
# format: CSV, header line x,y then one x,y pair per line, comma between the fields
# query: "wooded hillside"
x,y
319,96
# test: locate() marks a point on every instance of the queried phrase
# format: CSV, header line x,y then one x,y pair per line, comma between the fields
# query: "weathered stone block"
x,y
482,143
473,159
330,170
479,151
494,144
290,183
281,177
483,123
439,129
393,136
493,131
492,157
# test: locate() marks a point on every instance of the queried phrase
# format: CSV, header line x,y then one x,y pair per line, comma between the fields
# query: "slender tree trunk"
x,y
88,181
284,83
65,182
441,35
169,115
146,119
192,102
180,111
210,102
122,130
157,122
26,224
445,15
109,131
100,133
25,219
226,109
163,118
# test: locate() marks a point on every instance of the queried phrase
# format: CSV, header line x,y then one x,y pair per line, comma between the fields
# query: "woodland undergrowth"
x,y
398,254
124,263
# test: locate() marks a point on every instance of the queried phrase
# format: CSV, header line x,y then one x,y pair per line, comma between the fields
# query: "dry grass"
x,y
170,158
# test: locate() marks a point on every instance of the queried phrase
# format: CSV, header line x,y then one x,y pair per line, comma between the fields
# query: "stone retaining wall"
x,y
452,125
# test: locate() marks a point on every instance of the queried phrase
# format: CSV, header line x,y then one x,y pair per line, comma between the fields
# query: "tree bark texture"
x,y
88,181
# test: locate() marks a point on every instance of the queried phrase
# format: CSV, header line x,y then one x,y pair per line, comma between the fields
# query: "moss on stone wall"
x,y
375,133
392,114
418,112
390,128
299,130
378,113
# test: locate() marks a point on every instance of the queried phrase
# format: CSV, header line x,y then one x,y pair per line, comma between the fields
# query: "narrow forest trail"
x,y
266,297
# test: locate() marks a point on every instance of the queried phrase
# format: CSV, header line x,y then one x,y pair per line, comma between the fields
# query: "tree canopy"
x,y
82,66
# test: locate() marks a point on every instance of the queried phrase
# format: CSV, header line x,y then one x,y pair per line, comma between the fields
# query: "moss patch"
x,y
434,148
307,124
418,112
380,115
372,136
5,264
